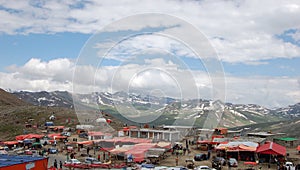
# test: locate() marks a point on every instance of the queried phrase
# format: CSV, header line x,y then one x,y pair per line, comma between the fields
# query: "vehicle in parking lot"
x,y
219,160
73,161
83,135
68,134
90,160
52,150
202,167
289,166
232,162
200,157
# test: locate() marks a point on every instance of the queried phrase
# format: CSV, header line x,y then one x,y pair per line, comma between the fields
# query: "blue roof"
x,y
9,160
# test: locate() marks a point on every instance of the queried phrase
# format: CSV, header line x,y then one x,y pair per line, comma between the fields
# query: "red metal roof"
x,y
271,148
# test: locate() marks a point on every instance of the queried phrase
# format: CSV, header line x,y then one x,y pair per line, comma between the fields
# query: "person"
x,y
55,163
88,151
60,164
184,151
176,160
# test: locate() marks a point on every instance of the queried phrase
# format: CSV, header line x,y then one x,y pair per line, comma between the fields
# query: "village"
x,y
143,147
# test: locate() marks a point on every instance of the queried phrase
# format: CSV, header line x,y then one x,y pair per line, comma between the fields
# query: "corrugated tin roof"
x,y
9,160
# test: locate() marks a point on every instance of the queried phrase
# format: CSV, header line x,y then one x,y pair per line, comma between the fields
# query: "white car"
x,y
289,165
202,167
90,160
73,161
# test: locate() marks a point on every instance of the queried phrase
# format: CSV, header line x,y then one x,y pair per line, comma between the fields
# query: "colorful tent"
x,y
271,148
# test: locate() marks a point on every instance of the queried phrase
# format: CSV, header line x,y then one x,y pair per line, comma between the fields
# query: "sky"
x,y
239,51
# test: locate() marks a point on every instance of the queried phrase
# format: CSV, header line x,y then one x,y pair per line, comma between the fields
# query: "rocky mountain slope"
x,y
16,113
169,110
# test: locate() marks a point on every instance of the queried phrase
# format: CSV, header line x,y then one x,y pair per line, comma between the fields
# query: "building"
x,y
13,162
184,130
267,135
156,135
93,135
286,141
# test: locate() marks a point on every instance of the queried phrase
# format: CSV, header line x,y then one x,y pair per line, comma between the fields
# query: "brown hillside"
x,y
15,114
7,99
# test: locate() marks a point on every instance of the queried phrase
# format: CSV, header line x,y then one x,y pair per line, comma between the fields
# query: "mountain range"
x,y
168,110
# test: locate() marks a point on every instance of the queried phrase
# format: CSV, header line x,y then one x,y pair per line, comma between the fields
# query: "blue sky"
x,y
18,49
257,43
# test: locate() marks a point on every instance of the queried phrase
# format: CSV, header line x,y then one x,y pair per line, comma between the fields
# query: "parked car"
x,y
68,134
73,161
289,166
52,150
200,157
202,167
232,162
90,160
83,135
220,160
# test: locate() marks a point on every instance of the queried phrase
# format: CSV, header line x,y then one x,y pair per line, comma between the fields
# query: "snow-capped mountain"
x,y
169,109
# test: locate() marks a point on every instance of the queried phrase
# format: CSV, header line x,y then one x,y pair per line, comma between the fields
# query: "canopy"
x,y
29,136
166,145
250,163
10,142
52,135
121,150
138,151
125,140
238,146
271,148
88,142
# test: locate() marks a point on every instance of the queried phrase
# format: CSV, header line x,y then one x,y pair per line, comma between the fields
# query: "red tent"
x,y
298,148
29,136
52,135
138,151
271,148
10,142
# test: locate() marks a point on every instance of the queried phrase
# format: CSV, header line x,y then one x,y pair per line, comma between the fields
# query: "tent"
x,y
138,151
121,149
10,142
238,146
29,136
271,148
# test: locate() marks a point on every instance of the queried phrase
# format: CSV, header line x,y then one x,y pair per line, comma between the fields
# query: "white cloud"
x,y
267,91
240,31
248,29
